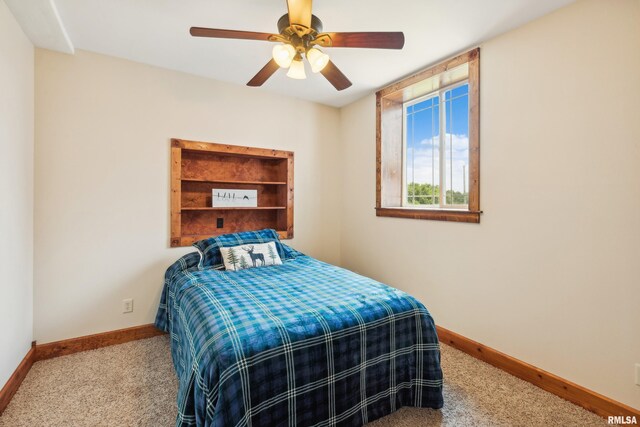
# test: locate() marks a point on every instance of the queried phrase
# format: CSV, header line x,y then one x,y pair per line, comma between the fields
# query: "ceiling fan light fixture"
x,y
283,54
296,70
299,32
317,59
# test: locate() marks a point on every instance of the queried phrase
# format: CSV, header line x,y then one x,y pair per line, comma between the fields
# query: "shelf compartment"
x,y
198,193
207,166
204,222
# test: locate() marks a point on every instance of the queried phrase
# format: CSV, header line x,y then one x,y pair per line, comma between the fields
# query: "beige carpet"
x,y
134,384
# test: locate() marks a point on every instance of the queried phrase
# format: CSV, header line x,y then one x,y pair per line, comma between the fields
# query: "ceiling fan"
x,y
300,35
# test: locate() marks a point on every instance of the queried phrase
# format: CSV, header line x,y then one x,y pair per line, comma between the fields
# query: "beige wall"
x,y
551,275
16,188
102,179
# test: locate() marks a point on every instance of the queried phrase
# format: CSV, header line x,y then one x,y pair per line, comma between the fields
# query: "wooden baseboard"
x,y
12,385
590,400
91,342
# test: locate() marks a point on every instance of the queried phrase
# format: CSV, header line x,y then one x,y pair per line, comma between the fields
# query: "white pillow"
x,y
247,256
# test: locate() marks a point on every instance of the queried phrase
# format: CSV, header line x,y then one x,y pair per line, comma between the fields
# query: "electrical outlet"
x,y
637,373
220,223
127,305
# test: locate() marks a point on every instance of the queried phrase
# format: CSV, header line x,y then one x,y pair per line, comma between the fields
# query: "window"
x,y
434,159
428,143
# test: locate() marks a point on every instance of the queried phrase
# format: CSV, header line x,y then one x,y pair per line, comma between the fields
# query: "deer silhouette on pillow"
x,y
254,257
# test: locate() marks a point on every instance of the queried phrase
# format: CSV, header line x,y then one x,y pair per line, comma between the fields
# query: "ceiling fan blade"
x,y
300,13
375,40
264,74
228,34
335,76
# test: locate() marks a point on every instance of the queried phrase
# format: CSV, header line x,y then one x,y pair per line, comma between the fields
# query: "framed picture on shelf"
x,y
229,198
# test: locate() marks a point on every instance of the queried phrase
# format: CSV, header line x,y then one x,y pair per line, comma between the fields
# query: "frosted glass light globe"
x,y
296,70
283,54
317,59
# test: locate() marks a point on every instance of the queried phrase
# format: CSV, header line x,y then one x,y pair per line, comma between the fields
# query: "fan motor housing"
x,y
284,24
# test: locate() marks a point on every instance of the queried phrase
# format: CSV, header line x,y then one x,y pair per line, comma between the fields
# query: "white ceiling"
x,y
41,23
156,32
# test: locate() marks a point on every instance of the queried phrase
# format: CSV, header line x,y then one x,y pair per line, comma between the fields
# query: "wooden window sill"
x,y
453,215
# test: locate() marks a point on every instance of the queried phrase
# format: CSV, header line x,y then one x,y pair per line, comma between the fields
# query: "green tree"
x,y
243,262
427,194
272,254
423,194
457,198
232,258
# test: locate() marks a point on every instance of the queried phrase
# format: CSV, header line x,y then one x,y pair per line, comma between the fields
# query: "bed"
x,y
303,343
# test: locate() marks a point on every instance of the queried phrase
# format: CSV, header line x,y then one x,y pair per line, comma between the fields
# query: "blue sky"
x,y
423,144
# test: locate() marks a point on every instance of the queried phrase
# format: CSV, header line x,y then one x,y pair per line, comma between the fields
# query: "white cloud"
x,y
426,167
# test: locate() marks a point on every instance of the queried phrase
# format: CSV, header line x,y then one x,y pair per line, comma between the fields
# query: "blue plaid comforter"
x,y
304,343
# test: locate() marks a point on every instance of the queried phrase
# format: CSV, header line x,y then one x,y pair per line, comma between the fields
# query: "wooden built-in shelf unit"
x,y
198,167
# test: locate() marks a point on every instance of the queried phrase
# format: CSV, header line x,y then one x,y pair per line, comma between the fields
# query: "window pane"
x,y
456,161
422,170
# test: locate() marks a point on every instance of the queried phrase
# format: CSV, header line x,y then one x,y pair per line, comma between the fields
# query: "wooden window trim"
x,y
454,215
394,94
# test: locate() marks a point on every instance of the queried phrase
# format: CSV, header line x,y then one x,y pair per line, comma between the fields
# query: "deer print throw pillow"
x,y
248,256
210,256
